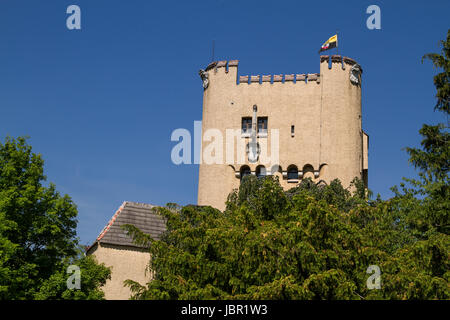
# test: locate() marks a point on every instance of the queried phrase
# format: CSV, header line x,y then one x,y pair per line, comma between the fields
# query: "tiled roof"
x,y
138,214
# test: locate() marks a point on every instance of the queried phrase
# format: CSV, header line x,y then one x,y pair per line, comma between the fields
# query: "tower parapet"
x,y
337,61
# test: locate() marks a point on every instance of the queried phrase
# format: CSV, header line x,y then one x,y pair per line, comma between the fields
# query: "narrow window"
x,y
292,130
292,173
246,125
262,125
245,171
260,171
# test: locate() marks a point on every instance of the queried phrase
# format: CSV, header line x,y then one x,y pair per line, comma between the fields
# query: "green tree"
x,y
441,80
37,224
266,245
309,243
424,207
433,160
93,276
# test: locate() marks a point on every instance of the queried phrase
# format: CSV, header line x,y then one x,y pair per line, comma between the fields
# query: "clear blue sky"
x,y
100,103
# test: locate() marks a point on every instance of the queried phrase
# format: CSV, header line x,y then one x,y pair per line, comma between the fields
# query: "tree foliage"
x,y
309,243
37,224
442,79
93,277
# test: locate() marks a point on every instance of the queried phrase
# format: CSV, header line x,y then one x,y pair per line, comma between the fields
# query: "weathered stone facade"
x,y
126,263
116,249
323,109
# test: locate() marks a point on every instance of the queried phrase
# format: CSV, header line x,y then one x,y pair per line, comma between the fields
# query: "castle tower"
x,y
309,125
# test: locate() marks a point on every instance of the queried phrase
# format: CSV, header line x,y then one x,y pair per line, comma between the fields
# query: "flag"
x,y
330,43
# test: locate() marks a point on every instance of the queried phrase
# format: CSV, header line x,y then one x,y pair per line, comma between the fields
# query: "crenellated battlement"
x,y
337,59
222,64
282,78
332,62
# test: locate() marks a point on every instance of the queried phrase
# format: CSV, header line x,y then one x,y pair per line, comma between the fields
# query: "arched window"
x,y
245,171
275,168
308,171
261,171
292,173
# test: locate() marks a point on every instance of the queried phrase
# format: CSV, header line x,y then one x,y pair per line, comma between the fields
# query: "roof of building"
x,y
140,215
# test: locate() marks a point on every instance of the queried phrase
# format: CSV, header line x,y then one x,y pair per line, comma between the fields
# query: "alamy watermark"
x,y
234,146
74,20
374,20
374,281
74,280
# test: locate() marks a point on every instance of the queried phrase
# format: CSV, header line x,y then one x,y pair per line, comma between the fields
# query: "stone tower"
x,y
311,121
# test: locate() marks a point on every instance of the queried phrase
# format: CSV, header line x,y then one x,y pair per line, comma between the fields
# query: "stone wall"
x,y
127,263
324,108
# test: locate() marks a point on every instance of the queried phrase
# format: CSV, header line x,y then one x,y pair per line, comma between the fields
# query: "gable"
x,y
141,215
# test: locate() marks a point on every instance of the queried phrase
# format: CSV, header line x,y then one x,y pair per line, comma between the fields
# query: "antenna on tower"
x,y
337,41
213,45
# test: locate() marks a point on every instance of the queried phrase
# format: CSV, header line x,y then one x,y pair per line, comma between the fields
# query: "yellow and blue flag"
x,y
330,43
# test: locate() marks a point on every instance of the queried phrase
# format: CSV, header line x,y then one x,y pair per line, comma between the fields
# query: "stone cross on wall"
x,y
253,152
